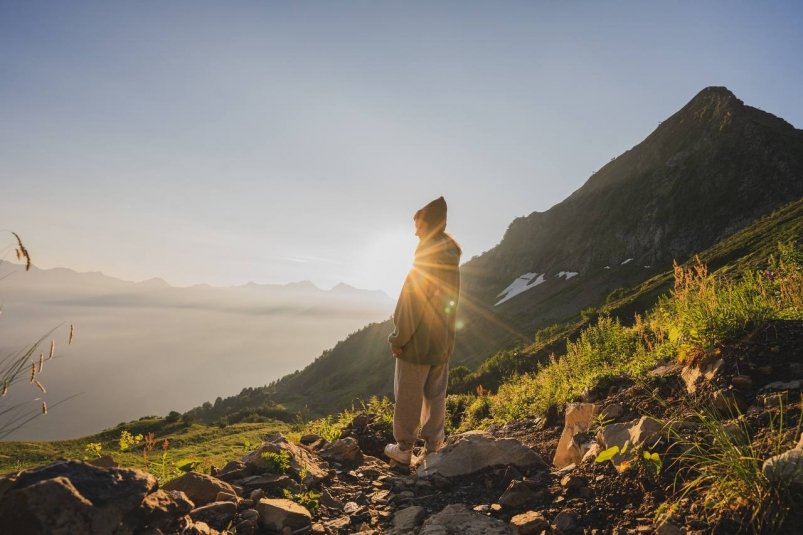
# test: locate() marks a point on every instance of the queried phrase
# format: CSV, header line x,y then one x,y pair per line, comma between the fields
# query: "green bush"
x,y
276,463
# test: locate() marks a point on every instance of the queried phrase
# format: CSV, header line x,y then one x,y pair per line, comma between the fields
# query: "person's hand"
x,y
396,351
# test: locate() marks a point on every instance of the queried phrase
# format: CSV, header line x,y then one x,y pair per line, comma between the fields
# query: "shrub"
x,y
276,463
456,405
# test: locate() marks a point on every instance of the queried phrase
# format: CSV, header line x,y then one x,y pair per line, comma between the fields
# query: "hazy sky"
x,y
226,142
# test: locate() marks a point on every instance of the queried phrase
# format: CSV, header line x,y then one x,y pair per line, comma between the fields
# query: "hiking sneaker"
x,y
394,452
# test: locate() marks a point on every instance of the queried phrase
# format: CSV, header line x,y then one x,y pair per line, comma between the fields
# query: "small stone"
x,y
279,513
572,483
482,508
215,514
200,488
459,519
786,467
529,523
246,527
351,508
613,411
782,385
669,527
520,493
408,519
249,514
774,400
565,520
226,497
742,382
338,523
496,508
327,500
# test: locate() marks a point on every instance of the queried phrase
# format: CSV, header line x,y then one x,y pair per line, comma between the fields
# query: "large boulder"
x,y
457,519
200,488
70,497
277,514
472,452
578,420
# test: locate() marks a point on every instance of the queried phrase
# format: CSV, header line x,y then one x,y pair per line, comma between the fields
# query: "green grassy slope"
x,y
211,445
744,249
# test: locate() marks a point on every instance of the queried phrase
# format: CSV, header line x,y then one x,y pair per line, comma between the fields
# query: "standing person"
x,y
423,338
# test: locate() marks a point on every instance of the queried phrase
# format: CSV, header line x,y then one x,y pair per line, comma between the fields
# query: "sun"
x,y
385,259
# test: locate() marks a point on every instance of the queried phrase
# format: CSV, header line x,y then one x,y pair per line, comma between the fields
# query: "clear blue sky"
x,y
226,142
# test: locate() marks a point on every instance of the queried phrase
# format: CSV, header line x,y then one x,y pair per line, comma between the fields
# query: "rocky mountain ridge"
x,y
712,168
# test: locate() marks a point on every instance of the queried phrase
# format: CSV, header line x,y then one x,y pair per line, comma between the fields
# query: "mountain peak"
x,y
713,103
343,287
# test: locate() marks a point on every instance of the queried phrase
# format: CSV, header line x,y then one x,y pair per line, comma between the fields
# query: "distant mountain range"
x,y
709,170
148,347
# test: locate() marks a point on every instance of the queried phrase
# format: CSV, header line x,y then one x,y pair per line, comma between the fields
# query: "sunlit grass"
x,y
211,445
702,312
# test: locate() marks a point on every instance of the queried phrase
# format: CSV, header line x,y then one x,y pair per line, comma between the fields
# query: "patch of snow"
x,y
522,284
567,274
647,267
626,261
607,267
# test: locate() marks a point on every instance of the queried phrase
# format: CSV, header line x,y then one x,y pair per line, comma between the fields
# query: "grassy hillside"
x,y
209,445
746,249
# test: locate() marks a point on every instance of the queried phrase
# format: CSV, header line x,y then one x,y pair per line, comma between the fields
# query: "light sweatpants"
x,y
420,392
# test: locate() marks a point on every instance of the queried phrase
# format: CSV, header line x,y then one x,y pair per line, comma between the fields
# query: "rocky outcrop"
x,y
305,466
69,497
471,452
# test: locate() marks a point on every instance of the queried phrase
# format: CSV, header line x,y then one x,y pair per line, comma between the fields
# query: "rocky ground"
x,y
531,476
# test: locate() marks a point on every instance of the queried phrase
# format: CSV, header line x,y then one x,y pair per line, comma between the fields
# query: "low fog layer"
x,y
149,348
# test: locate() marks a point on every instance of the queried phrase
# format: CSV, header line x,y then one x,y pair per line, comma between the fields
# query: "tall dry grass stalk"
x,y
14,365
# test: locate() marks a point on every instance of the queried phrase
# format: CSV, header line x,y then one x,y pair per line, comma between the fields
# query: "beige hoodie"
x,y
424,318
